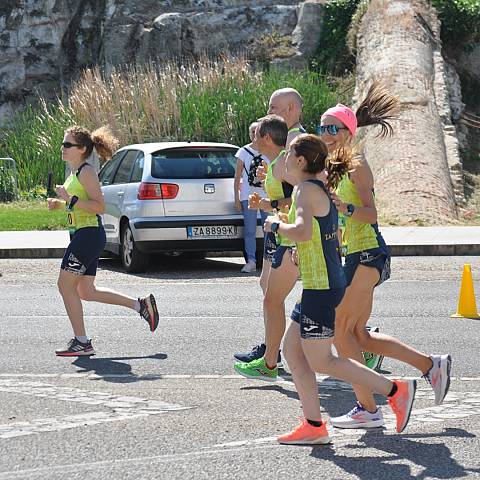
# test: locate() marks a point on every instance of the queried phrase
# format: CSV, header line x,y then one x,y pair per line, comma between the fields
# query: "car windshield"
x,y
194,163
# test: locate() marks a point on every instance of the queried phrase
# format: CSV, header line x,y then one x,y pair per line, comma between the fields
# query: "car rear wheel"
x,y
133,260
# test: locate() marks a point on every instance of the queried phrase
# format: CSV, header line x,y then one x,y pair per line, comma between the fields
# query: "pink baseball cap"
x,y
345,115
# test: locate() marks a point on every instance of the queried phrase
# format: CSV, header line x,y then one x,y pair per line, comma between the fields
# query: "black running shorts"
x,y
317,312
83,253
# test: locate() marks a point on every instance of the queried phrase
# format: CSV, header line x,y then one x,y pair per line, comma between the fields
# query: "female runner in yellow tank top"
x,y
309,338
367,261
82,199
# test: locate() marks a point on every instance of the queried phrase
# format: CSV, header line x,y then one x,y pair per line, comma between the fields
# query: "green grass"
x,y
30,215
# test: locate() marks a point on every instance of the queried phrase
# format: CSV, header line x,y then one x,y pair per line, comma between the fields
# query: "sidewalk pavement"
x,y
402,241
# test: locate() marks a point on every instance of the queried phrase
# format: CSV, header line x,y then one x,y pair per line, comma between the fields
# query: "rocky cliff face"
x,y
418,172
45,43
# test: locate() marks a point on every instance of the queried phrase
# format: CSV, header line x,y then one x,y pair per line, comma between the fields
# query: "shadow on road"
x,y
334,399
435,459
112,370
274,388
175,267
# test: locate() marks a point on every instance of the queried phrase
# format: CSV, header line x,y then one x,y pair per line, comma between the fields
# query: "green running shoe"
x,y
372,360
256,370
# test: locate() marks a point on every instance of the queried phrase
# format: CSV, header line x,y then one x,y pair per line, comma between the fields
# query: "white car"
x,y
171,197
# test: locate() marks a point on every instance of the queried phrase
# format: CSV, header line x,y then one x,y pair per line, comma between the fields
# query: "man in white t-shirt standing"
x,y
245,184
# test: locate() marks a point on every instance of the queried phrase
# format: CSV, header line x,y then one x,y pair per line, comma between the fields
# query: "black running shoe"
x,y
149,312
258,351
75,348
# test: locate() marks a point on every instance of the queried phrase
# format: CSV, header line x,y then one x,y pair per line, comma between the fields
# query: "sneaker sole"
x,y
445,374
76,354
155,313
366,425
262,378
237,359
410,406
315,441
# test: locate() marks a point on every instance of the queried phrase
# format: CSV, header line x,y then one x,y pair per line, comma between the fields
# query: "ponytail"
x,y
340,162
104,142
378,107
315,152
101,139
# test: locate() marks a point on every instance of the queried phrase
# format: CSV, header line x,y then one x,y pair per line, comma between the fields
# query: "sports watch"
x,y
350,210
274,227
274,204
73,201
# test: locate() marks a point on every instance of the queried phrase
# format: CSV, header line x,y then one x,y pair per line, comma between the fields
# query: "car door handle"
x,y
120,194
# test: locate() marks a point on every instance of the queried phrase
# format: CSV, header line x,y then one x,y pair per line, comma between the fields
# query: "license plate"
x,y
214,231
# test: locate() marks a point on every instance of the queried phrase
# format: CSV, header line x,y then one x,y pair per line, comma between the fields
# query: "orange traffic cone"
x,y
467,308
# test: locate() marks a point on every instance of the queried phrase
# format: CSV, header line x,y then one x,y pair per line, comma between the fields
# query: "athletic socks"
x,y
82,338
137,307
393,391
315,423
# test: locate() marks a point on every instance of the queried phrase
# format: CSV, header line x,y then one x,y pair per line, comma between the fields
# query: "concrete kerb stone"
x,y
403,241
32,252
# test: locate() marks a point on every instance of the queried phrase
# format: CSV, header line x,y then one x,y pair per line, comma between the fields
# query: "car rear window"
x,y
194,163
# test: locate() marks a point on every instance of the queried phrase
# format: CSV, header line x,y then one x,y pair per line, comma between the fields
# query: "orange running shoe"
x,y
402,402
306,434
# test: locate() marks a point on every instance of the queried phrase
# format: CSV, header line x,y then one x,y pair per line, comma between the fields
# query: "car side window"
x,y
124,172
109,169
137,172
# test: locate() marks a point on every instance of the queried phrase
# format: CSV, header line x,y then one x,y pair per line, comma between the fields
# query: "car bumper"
x,y
159,235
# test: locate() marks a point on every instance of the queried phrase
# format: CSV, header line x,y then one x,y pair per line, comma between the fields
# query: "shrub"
x,y
460,21
33,141
333,55
8,183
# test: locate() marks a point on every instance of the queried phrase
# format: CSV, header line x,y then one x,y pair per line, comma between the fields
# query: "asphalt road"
x,y
169,405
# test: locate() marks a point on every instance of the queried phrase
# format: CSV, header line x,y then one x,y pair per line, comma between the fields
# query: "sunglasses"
x,y
331,129
70,145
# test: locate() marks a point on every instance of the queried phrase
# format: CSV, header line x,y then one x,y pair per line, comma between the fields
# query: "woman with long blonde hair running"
x,y
367,261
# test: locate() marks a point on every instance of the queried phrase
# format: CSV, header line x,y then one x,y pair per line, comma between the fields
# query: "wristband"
x,y
350,210
274,204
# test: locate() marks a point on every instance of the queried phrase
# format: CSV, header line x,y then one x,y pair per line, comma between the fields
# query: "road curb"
x,y
396,250
32,253
434,250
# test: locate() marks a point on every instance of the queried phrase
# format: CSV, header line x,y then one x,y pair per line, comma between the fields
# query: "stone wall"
x,y
418,172
44,44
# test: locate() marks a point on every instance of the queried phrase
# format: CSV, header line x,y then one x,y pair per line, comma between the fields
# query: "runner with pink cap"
x,y
367,260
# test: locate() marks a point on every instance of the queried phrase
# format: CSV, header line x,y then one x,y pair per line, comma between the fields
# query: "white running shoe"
x,y
439,376
249,267
358,417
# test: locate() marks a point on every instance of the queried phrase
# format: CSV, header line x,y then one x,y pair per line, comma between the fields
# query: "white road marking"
x,y
120,407
77,467
166,317
329,383
457,405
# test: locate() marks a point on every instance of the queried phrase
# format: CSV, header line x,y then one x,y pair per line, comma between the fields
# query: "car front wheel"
x,y
133,260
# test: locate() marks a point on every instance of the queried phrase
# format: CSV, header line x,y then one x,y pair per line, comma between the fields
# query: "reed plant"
x,y
206,100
